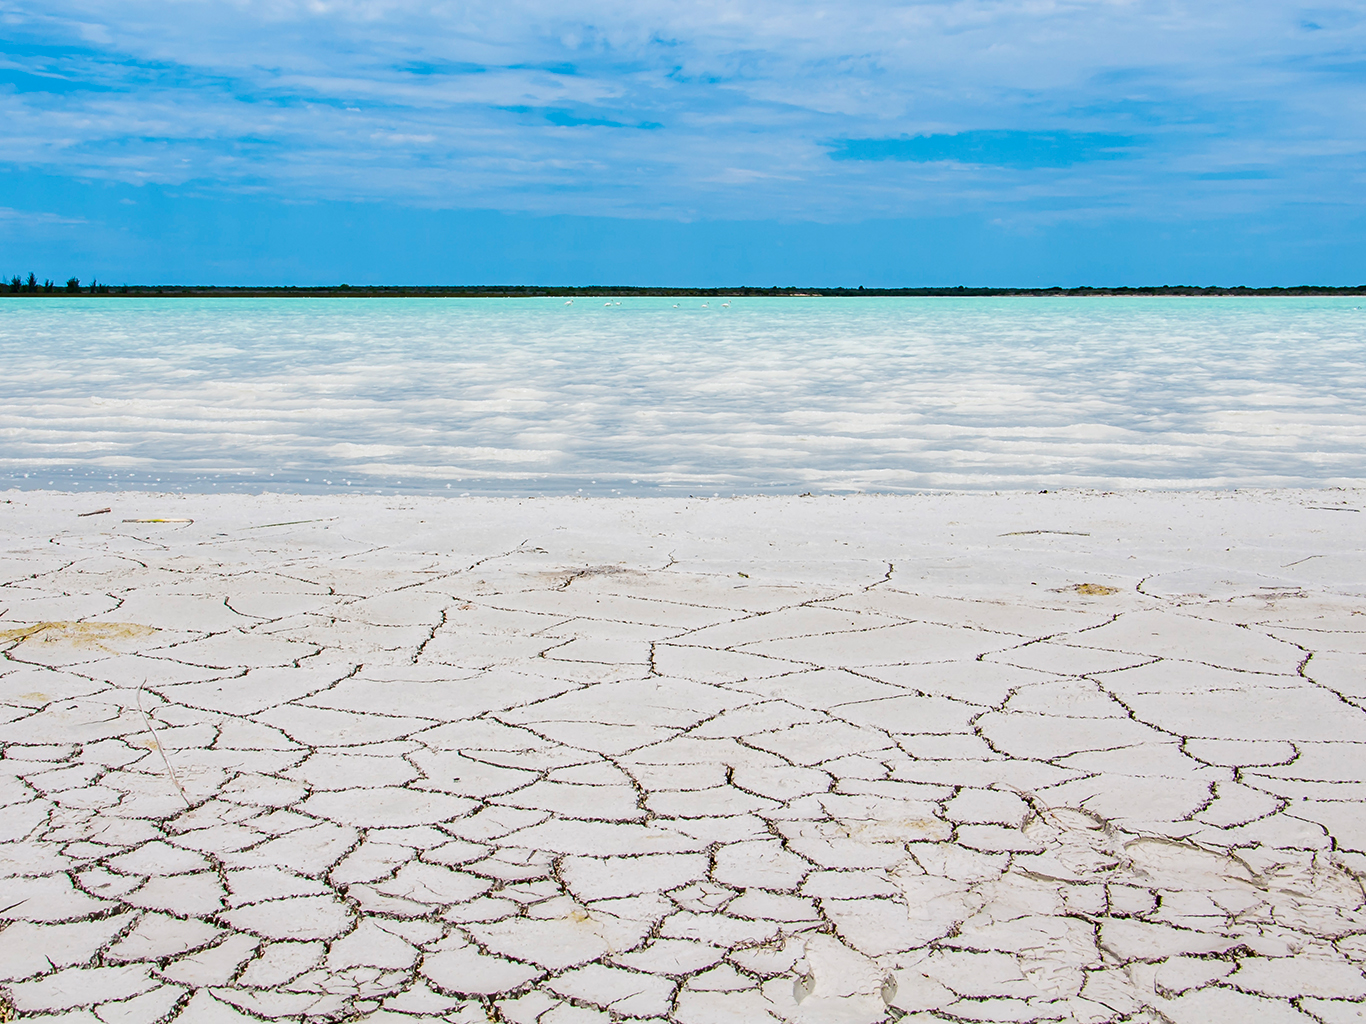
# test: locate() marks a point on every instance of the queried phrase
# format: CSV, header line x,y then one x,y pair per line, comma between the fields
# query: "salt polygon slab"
x,y
1051,736
446,700
820,741
604,803
626,992
157,936
252,885
75,986
802,621
237,649
466,971
1344,673
1283,713
1221,1005
982,682
707,664
48,898
326,727
386,806
257,689
1167,635
1068,659
910,713
34,687
27,949
598,877
214,966
632,702
902,644
430,883
323,771
600,839
307,851
302,917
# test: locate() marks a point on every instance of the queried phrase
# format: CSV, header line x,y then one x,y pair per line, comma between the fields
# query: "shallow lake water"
x,y
645,396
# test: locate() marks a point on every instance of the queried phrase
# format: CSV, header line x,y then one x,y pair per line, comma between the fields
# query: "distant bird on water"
x,y
570,302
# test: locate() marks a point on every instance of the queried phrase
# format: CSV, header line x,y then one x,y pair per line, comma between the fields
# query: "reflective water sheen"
x,y
534,396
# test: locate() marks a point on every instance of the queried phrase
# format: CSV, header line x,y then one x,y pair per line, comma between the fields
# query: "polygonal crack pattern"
x,y
1073,757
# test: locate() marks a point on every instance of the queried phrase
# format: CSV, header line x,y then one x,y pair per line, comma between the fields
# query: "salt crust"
x,y
1045,757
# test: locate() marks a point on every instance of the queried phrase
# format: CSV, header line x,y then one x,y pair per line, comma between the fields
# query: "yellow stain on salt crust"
x,y
1095,589
896,830
77,634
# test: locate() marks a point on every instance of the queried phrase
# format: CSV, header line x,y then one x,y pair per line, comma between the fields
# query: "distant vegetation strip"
x,y
33,287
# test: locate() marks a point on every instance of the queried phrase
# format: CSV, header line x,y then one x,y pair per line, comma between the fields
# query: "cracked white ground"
x,y
971,758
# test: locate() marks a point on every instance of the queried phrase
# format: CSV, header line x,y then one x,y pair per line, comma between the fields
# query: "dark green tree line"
x,y
32,286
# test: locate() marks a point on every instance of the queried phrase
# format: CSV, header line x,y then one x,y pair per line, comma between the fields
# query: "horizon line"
x,y
73,287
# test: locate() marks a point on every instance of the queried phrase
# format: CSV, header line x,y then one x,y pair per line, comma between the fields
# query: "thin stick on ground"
x,y
147,721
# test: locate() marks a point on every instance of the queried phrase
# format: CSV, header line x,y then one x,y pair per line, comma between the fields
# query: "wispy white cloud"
x,y
31,218
685,109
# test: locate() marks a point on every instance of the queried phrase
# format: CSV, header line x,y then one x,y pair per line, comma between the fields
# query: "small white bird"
x,y
606,304
725,305
570,302
675,305
618,303
704,305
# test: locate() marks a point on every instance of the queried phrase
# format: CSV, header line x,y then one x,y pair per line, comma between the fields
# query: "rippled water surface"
x,y
535,396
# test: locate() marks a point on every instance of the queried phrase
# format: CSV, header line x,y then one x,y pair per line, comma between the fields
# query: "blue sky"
x,y
940,142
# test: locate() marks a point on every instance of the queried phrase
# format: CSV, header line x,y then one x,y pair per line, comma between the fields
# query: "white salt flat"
x,y
1026,757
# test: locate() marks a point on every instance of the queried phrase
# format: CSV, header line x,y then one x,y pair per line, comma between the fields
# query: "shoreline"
x,y
603,492
603,291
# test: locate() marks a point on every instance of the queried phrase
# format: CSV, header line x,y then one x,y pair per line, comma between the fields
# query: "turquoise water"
x,y
532,396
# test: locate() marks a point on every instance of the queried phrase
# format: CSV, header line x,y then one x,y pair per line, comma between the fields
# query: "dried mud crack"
x,y
576,762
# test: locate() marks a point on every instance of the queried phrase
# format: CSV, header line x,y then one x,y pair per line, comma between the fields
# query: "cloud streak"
x,y
991,148
697,110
